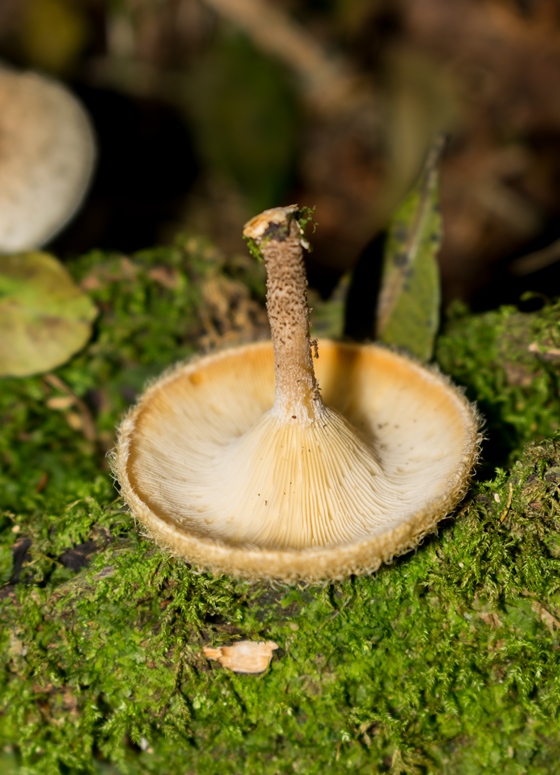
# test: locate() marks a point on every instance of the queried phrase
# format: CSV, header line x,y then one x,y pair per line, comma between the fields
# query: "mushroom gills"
x,y
212,455
296,486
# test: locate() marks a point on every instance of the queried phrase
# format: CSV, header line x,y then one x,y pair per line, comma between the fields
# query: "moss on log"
x,y
446,661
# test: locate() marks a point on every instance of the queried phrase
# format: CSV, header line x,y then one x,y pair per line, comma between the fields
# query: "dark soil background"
x,y
207,111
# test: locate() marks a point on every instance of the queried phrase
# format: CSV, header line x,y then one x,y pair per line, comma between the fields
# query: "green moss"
x,y
504,359
447,661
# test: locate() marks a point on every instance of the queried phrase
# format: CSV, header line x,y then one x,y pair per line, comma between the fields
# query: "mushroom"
x,y
258,462
47,154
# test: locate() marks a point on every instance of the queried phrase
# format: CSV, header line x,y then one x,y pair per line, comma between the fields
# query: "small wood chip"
x,y
245,656
60,403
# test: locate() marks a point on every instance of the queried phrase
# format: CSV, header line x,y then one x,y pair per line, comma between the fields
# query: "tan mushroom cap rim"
x,y
189,453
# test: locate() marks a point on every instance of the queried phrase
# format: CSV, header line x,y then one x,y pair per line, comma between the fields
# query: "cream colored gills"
x,y
218,461
292,486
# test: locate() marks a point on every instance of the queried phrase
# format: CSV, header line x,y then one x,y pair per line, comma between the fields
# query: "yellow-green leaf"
x,y
44,317
409,300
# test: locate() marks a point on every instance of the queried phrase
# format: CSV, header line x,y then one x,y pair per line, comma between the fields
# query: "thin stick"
x,y
88,424
330,84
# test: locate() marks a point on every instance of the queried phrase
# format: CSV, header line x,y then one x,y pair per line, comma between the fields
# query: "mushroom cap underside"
x,y
212,475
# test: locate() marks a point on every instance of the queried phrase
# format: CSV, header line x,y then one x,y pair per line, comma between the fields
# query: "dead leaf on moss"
x,y
545,616
545,353
44,317
491,619
517,374
114,272
228,313
244,656
167,276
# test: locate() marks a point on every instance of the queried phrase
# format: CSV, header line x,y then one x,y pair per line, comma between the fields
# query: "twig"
x,y
539,259
88,425
330,83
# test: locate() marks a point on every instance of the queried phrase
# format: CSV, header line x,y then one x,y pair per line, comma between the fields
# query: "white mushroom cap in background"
x,y
47,154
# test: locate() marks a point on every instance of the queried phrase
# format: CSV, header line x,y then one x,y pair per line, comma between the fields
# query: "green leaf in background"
x,y
327,315
6,566
246,120
44,317
408,306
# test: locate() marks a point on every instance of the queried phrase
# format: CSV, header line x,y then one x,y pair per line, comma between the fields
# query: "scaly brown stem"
x,y
278,236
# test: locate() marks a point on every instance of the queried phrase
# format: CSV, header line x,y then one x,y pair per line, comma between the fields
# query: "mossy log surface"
x,y
447,661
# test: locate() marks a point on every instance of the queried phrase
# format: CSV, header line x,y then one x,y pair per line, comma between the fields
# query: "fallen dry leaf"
x,y
245,656
490,618
545,353
167,276
545,616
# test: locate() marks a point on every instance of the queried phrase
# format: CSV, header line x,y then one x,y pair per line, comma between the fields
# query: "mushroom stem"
x,y
278,236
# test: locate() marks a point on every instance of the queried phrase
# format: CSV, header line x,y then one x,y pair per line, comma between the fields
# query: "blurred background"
x,y
208,111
